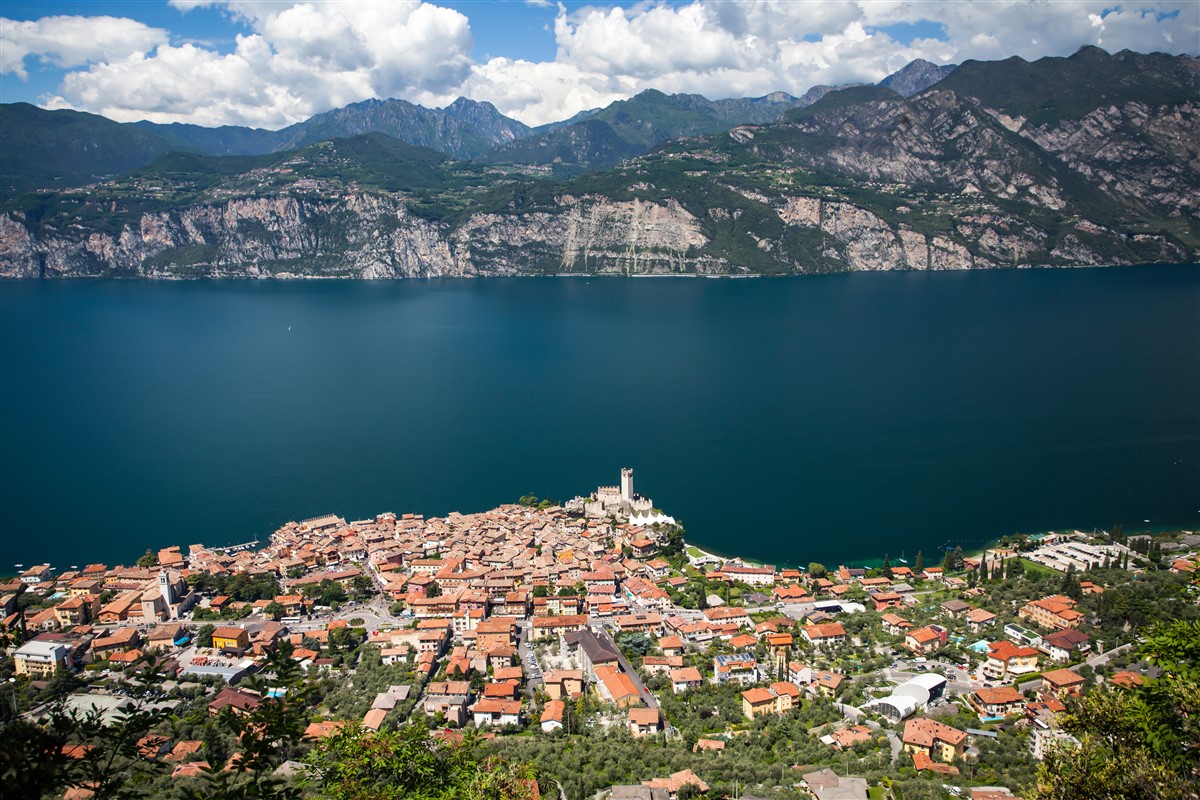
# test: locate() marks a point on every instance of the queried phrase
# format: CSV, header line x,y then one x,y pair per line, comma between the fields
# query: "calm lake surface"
x,y
789,420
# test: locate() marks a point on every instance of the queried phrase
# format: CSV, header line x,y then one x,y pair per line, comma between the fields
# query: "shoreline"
x,y
876,562
290,277
707,552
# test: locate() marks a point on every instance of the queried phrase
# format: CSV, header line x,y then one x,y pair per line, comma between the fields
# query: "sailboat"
x,y
902,559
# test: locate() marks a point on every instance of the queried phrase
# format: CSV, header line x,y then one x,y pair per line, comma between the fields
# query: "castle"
x,y
621,501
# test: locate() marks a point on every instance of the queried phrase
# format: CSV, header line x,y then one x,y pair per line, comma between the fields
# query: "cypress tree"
x,y
919,564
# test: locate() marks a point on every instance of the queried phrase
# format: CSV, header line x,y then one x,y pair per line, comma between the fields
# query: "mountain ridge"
x,y
861,179
35,154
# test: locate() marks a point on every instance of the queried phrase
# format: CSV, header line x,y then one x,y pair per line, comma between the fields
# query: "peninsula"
x,y
539,625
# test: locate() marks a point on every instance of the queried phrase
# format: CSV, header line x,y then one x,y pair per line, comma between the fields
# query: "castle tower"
x,y
627,484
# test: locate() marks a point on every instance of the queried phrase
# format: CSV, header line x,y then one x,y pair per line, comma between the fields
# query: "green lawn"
x,y
1035,570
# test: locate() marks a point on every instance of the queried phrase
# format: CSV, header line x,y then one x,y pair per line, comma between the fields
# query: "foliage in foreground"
x,y
1141,743
407,763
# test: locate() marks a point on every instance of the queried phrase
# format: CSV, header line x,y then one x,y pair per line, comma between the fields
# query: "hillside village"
x,y
537,623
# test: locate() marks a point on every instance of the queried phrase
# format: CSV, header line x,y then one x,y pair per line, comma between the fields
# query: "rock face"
x,y
589,234
1110,145
362,236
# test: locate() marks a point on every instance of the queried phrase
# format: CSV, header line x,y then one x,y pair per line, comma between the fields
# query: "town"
x,y
537,622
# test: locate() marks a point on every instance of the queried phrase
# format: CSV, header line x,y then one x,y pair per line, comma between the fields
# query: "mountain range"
x,y
56,149
1089,159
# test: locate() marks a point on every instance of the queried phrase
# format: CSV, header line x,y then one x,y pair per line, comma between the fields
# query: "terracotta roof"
x,y
1006,651
1127,678
645,716
758,696
923,732
373,719
553,711
1062,677
825,631
999,696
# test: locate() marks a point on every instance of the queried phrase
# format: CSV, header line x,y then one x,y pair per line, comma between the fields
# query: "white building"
x,y
41,658
906,698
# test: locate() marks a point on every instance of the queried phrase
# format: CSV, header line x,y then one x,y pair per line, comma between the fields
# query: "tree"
x,y
674,545
150,559
362,586
817,570
273,609
1070,584
106,759
205,635
919,564
216,749
953,562
1134,743
406,763
887,567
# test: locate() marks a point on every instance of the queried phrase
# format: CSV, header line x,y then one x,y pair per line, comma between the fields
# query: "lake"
x,y
826,419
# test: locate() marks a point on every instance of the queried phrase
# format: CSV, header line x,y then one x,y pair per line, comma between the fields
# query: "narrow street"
x,y
1103,658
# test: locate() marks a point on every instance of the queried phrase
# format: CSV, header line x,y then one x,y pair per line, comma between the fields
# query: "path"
x,y
1102,658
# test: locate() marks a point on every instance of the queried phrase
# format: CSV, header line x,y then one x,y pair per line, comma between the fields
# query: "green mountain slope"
x,y
1051,89
630,127
42,148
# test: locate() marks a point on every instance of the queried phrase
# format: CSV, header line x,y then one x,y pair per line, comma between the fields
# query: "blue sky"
x,y
269,63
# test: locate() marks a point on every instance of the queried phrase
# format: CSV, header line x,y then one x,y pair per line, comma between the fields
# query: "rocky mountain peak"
x,y
916,76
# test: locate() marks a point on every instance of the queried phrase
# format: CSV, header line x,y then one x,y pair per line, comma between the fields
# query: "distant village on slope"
x,y
594,617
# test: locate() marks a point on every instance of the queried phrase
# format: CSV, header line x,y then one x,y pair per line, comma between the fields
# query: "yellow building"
x,y
231,639
934,739
40,659
757,702
779,698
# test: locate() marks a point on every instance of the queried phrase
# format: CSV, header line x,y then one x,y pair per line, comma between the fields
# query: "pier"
x,y
236,548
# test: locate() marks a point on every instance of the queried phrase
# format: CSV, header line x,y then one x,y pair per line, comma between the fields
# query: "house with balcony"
x,y
1007,661
934,739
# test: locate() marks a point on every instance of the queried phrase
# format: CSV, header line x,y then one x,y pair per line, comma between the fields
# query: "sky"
x,y
271,63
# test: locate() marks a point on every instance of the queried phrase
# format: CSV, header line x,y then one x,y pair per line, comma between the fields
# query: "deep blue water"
x,y
817,418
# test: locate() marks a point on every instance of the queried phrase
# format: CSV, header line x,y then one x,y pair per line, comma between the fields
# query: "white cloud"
x,y
725,48
72,41
301,58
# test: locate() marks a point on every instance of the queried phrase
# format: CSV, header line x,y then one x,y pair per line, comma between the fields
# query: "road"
x,y
1101,659
647,696
533,670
